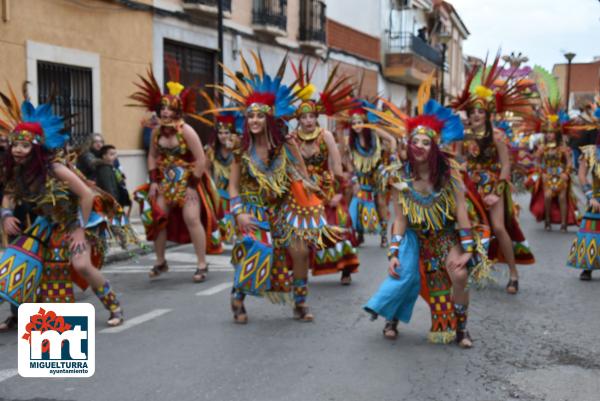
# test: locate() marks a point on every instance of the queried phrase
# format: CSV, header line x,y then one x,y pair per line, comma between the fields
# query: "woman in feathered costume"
x,y
277,219
324,163
584,250
180,204
227,127
434,248
552,200
67,241
488,161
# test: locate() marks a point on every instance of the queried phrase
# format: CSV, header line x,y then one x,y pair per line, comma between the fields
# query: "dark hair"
x,y
104,149
274,126
354,137
37,166
439,167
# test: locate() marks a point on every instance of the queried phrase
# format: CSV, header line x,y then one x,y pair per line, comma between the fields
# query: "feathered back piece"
x,y
258,91
335,97
435,120
484,88
223,116
37,125
551,117
177,96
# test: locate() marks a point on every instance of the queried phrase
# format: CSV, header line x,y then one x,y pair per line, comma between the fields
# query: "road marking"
x,y
135,269
7,374
136,321
214,290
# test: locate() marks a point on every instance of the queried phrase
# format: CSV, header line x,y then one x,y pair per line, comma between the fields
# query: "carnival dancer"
x,y
277,219
584,250
488,162
323,162
180,203
552,200
435,249
228,126
367,157
67,241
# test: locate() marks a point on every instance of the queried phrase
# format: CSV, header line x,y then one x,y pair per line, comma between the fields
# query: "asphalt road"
x,y
180,343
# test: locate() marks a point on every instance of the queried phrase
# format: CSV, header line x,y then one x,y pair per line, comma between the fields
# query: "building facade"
x,y
584,85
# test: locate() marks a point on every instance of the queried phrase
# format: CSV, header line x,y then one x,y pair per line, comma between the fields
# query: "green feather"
x,y
547,85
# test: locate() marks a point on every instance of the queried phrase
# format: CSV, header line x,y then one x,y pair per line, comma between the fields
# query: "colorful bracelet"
x,y
394,248
467,241
6,212
587,190
501,187
236,206
154,175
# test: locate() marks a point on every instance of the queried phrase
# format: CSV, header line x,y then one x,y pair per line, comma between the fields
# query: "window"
x,y
70,90
197,66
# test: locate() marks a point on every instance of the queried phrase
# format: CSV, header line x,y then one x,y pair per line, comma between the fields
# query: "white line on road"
x,y
214,290
7,374
136,321
127,269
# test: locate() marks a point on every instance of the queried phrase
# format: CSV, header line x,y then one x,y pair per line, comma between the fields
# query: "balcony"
x,y
312,24
409,59
207,8
270,17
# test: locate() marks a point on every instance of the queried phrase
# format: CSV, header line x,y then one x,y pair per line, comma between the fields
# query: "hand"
x,y
394,264
335,200
246,222
595,205
292,139
153,191
191,195
564,177
78,243
491,199
459,263
11,225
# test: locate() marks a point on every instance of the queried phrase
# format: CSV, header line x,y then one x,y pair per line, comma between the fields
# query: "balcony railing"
x,y
211,5
312,21
408,43
270,13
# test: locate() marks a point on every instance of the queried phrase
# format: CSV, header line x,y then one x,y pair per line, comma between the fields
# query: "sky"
x,y
543,30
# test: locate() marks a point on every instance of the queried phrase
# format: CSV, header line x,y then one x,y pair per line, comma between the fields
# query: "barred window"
x,y
197,67
70,90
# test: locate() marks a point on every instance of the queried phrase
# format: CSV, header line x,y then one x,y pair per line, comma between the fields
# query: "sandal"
x,y
390,330
464,340
563,228
200,274
157,270
585,275
239,311
512,287
302,313
10,323
346,279
116,318
384,241
547,226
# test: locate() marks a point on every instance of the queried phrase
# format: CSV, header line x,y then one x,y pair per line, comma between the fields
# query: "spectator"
x,y
110,178
88,161
422,34
148,125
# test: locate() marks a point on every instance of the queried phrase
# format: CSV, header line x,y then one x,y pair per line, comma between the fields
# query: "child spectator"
x,y
110,178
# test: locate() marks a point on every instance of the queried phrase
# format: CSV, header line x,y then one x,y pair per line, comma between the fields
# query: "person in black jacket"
x,y
110,178
88,162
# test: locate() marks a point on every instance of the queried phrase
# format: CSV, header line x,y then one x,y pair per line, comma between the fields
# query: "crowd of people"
x,y
296,199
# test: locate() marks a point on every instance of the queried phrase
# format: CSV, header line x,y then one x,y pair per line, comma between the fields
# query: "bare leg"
x,y
547,210
459,277
191,216
82,264
562,202
384,216
300,257
160,243
506,246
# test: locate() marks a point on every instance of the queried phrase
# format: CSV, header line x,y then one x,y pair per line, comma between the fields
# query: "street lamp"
x,y
444,39
569,56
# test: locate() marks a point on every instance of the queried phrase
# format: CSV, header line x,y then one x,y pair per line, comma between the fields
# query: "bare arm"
x,y
583,172
503,155
335,158
193,141
462,216
387,138
78,187
234,179
400,221
152,153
